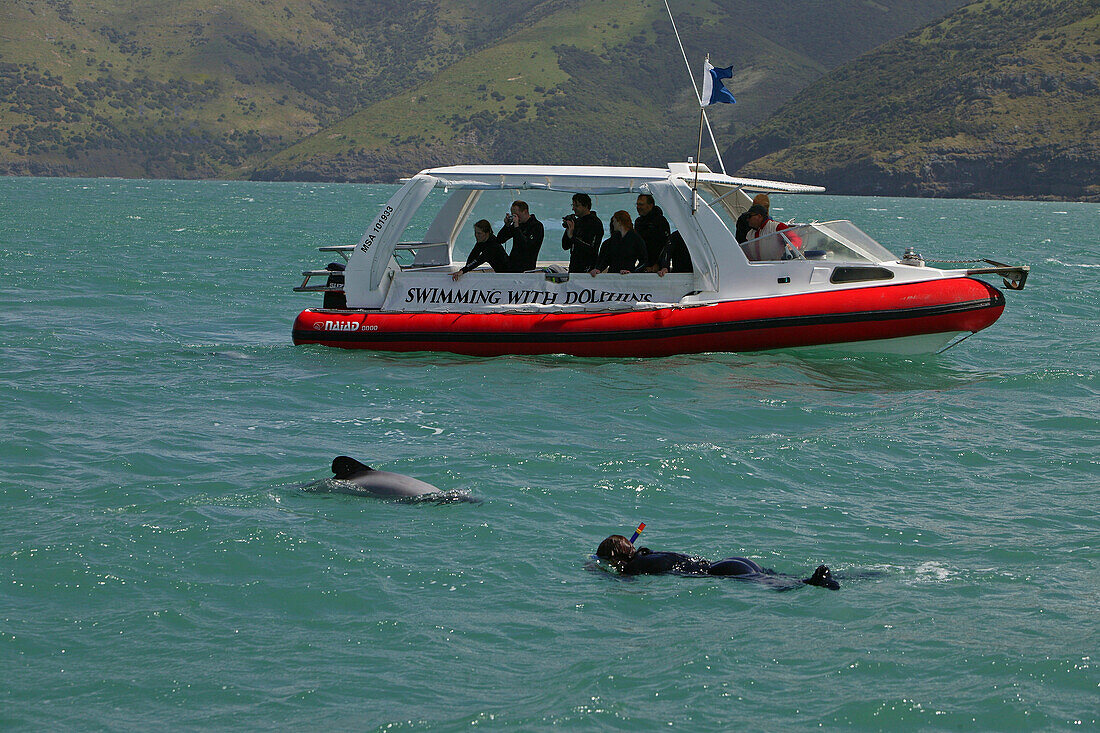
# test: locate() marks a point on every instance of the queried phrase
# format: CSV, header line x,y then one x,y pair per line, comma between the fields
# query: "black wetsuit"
x,y
654,229
526,243
622,252
490,251
678,255
743,228
585,242
647,562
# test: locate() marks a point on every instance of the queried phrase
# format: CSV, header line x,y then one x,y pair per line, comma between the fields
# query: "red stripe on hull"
x,y
859,314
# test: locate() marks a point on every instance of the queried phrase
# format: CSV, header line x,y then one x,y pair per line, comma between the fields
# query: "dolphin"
x,y
368,482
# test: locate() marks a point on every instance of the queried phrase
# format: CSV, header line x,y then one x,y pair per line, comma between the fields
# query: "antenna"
x,y
695,88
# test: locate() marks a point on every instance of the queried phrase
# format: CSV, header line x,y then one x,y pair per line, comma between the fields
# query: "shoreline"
x,y
1091,199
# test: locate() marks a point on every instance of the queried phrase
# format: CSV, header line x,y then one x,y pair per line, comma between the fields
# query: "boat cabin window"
x,y
837,241
724,201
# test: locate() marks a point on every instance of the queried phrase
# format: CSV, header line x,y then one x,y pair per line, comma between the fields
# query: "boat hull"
x,y
877,314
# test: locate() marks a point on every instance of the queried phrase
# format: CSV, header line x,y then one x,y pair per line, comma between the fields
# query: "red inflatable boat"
x,y
817,284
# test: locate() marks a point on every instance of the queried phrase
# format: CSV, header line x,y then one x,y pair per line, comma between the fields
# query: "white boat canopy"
x,y
697,221
595,179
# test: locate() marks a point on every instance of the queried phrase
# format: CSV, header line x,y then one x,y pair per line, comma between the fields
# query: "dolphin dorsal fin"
x,y
343,466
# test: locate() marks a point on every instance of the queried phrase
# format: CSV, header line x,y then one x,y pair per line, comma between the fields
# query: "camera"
x,y
571,217
508,219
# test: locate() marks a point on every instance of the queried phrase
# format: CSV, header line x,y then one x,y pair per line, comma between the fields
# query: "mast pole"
x,y
698,94
698,153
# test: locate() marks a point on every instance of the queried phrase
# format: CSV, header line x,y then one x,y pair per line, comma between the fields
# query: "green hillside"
x,y
354,90
1002,98
599,81
194,88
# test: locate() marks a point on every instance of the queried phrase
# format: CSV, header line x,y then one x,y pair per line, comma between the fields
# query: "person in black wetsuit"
x,y
678,255
487,249
653,228
526,233
617,551
583,233
624,250
743,226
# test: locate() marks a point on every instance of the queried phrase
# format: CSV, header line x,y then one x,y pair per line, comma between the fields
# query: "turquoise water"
x,y
160,563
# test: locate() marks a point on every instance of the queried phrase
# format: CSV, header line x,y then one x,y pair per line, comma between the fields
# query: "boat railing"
x,y
333,284
425,254
333,274
343,249
1014,277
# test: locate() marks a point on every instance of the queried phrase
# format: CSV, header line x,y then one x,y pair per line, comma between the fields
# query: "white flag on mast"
x,y
714,92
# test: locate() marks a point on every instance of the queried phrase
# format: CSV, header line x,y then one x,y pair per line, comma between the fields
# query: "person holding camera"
x,y
583,233
526,233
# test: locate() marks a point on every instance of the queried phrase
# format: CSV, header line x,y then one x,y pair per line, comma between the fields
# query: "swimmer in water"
x,y
618,552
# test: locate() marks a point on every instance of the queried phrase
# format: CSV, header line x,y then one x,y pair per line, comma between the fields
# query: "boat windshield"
x,y
837,241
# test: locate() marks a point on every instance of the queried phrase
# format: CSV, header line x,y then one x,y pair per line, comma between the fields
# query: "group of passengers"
x,y
644,244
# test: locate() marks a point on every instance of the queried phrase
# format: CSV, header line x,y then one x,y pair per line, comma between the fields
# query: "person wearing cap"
x,y
743,228
761,225
618,552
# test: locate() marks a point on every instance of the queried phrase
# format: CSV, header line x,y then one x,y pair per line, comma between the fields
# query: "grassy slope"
x,y
488,86
1001,98
194,88
601,81
179,45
